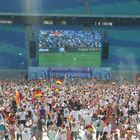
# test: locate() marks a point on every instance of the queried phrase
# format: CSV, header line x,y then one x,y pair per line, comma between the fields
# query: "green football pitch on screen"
x,y
70,59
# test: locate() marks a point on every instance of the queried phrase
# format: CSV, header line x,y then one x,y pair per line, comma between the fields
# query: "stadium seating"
x,y
124,47
12,6
12,47
102,7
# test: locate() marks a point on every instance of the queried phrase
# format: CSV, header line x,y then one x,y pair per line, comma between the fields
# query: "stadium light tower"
x,y
88,6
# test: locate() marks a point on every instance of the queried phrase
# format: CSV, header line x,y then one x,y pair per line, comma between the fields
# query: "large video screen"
x,y
69,48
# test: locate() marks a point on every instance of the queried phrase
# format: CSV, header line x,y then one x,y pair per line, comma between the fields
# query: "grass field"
x,y
74,59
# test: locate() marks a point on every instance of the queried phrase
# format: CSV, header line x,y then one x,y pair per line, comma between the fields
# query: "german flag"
x,y
18,97
38,93
59,81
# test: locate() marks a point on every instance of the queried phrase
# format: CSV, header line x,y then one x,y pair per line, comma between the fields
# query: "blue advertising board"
x,y
47,73
70,73
102,74
37,73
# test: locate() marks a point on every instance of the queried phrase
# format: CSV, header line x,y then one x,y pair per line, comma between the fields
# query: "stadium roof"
x,y
68,15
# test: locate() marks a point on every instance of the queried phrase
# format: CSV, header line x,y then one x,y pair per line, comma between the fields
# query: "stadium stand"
x,y
98,7
124,47
102,7
12,47
12,6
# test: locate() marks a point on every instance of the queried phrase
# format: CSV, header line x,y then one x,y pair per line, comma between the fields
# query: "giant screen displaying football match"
x,y
69,48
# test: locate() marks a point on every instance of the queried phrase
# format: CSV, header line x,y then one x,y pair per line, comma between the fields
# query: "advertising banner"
x,y
101,74
71,73
37,73
45,72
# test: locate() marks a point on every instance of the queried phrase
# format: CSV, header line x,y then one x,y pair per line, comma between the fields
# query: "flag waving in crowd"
x,y
59,81
18,97
38,93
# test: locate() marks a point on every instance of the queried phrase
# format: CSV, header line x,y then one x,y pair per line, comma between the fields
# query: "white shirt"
x,y
107,129
22,115
82,113
51,134
75,114
61,134
35,120
74,127
99,124
87,119
1,118
66,112
19,129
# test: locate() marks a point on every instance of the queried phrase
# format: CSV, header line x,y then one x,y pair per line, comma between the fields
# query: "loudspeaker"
x,y
105,50
32,49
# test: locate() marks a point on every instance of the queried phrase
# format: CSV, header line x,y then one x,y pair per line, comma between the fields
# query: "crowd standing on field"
x,y
108,110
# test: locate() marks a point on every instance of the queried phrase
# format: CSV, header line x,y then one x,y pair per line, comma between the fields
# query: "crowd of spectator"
x,y
69,39
109,110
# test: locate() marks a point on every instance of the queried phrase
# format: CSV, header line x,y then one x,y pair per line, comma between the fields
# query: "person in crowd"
x,y
122,130
59,120
99,127
22,116
19,131
74,129
107,128
34,128
52,132
40,128
61,133
111,107
116,136
88,135
12,129
69,135
104,137
4,132
87,119
42,113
